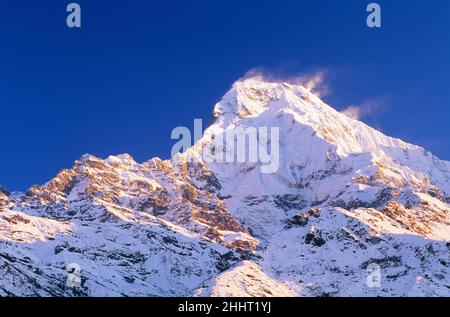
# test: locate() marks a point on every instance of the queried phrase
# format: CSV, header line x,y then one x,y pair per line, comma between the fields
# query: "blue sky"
x,y
137,69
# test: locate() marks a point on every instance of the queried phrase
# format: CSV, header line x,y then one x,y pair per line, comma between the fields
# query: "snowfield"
x,y
345,199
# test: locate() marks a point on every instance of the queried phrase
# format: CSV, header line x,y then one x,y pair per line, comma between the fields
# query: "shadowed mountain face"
x,y
349,211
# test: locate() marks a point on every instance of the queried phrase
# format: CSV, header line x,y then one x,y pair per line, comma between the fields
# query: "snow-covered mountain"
x,y
345,201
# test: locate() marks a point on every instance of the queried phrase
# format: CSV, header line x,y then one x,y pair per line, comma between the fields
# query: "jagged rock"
x,y
314,237
3,200
302,219
288,202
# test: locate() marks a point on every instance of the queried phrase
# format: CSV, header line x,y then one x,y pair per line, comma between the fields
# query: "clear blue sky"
x,y
136,69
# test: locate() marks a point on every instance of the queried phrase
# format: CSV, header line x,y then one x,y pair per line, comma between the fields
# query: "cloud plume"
x,y
366,108
313,81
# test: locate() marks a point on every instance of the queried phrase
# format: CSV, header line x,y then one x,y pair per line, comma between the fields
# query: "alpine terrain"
x,y
349,212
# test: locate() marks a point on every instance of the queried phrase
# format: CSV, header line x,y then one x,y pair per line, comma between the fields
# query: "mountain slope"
x,y
345,198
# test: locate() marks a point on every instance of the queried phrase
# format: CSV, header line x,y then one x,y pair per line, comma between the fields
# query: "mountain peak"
x,y
314,137
253,96
120,159
124,158
88,157
255,102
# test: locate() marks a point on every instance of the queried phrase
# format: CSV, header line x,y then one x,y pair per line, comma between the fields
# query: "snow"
x,y
246,279
345,196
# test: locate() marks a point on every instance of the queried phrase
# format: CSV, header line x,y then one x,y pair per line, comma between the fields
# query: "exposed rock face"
x,y
345,199
3,200
121,187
